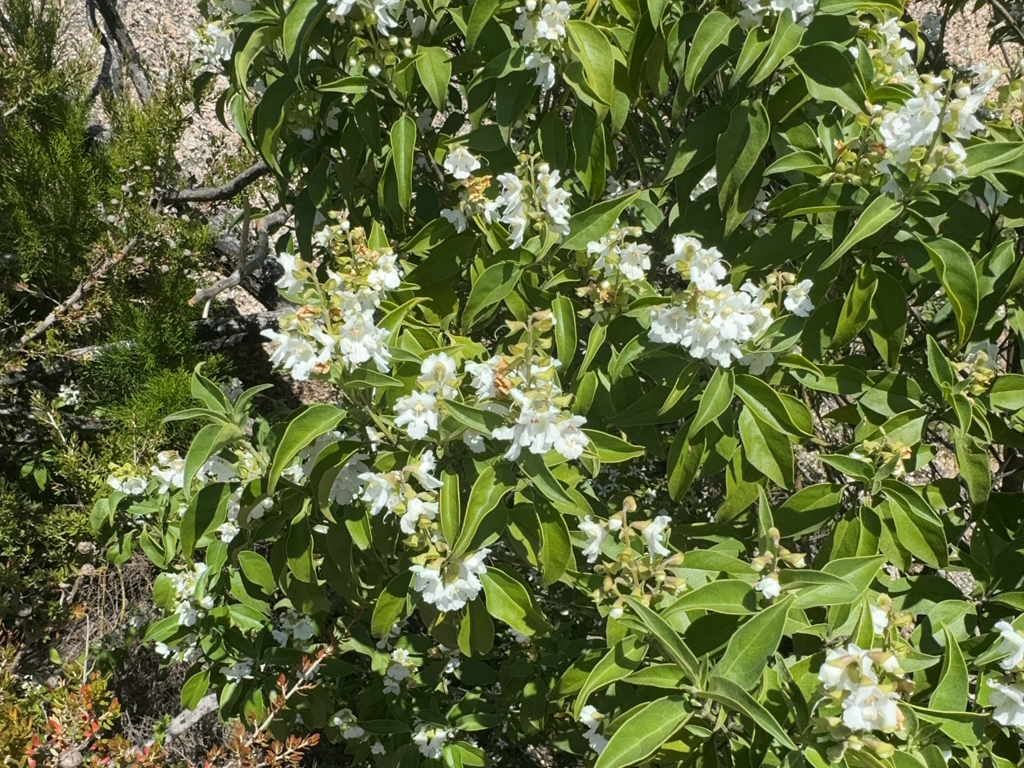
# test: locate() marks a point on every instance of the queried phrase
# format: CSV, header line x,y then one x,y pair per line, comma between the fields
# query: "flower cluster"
x,y
189,606
211,43
532,193
124,480
293,626
448,585
712,319
543,33
618,258
379,12
863,688
430,739
169,471
335,324
641,562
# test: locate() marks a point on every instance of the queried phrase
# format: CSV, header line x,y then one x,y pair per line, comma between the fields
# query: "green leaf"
x,y
670,640
490,488
540,477
786,39
620,660
435,70
304,426
991,155
919,528
509,601
887,323
483,11
726,692
1007,392
973,461
717,397
951,693
597,57
450,505
302,17
767,449
738,151
476,632
566,341
205,512
403,149
195,688
728,596
879,213
596,221
957,274
246,618
831,76
391,605
258,571
490,288
207,442
753,644
644,731
857,307
610,449
474,418
212,395
713,31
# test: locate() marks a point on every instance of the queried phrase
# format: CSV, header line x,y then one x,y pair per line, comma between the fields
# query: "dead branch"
x,y
189,717
83,288
206,295
127,49
224,192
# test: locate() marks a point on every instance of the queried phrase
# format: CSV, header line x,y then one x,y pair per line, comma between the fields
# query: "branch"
x,y
1009,19
225,192
189,717
84,287
124,43
206,295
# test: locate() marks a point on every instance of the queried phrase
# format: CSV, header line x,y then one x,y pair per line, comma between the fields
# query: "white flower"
x,y
1012,645
913,125
798,300
430,740
299,355
596,534
1008,701
340,9
634,260
417,413
879,619
417,510
360,340
69,393
483,377
291,264
386,274
169,471
758,362
347,486
474,441
380,492
545,67
513,213
460,163
352,732
133,486
378,749
571,440
383,9
870,708
438,375
707,268
844,668
552,199
591,718
237,671
684,248
553,16
534,429
211,43
450,591
456,218
227,531
769,587
655,534
423,471
216,470
668,323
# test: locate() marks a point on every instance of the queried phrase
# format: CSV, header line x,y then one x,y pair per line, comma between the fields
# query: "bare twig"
x,y
224,192
1009,19
207,295
126,47
243,240
189,717
84,287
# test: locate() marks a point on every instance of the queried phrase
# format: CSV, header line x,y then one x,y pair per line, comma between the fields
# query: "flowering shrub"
x,y
680,392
